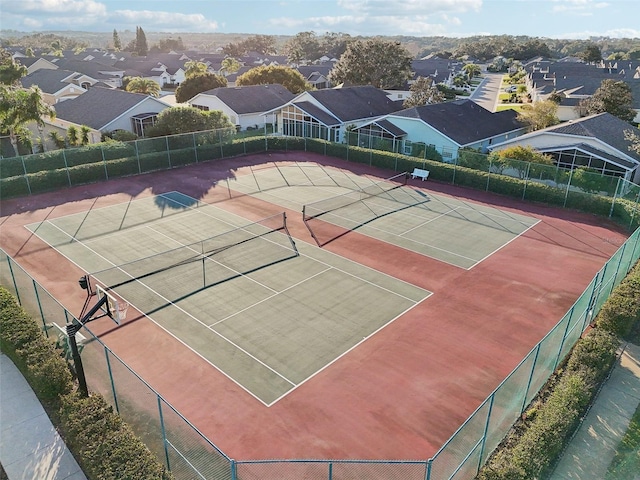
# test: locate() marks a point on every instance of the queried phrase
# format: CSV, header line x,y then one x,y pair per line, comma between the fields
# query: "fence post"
x,y
164,433
66,165
113,383
135,144
615,196
566,193
13,277
564,337
166,142
104,163
195,147
330,470
486,189
533,369
26,177
44,321
485,433
428,473
526,181
234,470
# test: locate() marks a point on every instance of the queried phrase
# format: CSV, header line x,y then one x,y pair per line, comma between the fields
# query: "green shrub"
x,y
10,167
106,446
621,312
14,187
25,343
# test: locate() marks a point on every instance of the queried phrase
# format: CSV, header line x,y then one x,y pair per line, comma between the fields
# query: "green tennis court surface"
x,y
337,202
266,311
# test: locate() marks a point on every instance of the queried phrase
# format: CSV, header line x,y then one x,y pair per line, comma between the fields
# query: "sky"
x,y
561,19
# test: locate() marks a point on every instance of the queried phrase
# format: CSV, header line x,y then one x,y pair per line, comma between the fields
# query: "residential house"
x,y
316,75
106,110
577,81
245,106
447,127
95,70
57,85
34,64
327,113
597,142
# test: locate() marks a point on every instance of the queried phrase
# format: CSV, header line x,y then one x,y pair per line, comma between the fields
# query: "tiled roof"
x,y
98,106
355,103
603,126
464,121
49,81
252,98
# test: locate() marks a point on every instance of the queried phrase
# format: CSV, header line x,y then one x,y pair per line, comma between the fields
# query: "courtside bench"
x,y
420,173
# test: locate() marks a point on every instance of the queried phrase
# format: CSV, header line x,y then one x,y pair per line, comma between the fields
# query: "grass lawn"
x,y
509,106
626,462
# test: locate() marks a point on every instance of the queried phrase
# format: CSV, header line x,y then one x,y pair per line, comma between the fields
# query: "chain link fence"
x,y
177,443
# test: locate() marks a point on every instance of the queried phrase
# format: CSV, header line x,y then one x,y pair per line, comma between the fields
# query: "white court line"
x,y
183,311
269,297
336,268
192,209
505,244
209,258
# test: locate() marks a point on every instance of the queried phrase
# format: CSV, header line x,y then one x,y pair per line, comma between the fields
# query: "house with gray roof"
x,y
327,113
597,142
106,110
245,106
57,85
447,127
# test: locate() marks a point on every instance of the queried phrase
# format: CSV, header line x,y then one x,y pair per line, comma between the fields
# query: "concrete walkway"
x,y
30,447
593,447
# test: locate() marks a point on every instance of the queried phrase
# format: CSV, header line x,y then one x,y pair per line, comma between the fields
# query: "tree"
x,y
288,77
634,138
194,68
262,44
303,46
10,71
591,54
539,115
423,92
143,85
230,65
167,45
141,47
335,44
186,119
521,159
117,44
19,107
198,84
471,70
373,62
612,96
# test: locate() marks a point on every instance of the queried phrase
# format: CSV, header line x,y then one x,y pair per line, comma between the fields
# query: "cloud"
x,y
165,21
53,7
408,8
578,7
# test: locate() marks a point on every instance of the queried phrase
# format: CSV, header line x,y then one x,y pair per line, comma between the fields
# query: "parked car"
x,y
511,89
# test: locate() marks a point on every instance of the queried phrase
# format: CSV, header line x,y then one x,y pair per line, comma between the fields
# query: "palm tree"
x,y
194,68
19,107
143,85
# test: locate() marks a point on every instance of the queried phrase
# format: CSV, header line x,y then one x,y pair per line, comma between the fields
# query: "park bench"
x,y
420,173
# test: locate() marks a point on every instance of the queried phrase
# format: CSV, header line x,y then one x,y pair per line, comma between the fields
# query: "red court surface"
x,y
399,395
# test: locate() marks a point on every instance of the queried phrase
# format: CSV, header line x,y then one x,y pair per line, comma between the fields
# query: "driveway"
x,y
486,94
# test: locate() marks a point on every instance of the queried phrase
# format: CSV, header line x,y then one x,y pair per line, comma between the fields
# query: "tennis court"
x,y
448,229
267,311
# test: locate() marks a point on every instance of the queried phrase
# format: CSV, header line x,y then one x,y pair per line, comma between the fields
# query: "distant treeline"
x,y
483,48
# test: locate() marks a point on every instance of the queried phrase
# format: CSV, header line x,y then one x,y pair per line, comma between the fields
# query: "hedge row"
x,y
54,170
536,442
104,446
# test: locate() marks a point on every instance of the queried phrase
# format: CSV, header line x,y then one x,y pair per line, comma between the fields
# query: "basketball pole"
x,y
73,328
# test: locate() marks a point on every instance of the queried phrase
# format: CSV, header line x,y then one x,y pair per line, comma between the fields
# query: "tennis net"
x,y
331,204
177,273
